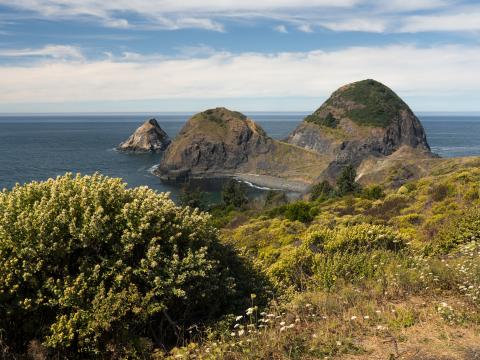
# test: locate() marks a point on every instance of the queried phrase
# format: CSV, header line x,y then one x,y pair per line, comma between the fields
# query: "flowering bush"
x,y
89,266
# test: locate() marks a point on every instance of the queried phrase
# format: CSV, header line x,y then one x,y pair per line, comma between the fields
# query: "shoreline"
x,y
267,182
262,182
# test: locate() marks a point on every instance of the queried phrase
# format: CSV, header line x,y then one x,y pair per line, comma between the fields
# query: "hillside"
x,y
384,274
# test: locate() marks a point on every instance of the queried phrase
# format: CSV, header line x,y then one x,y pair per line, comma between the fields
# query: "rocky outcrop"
x,y
220,142
147,138
358,121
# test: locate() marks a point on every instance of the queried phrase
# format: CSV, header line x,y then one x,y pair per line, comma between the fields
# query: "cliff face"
x,y
220,142
214,141
360,120
147,138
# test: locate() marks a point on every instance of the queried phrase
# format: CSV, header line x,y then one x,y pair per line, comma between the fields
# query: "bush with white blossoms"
x,y
91,267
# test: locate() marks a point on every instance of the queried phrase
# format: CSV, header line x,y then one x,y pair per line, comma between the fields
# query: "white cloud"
x,y
306,28
426,72
366,25
51,51
443,22
281,29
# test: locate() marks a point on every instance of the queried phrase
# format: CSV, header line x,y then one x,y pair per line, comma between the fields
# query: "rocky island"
x,y
220,142
361,120
364,124
149,137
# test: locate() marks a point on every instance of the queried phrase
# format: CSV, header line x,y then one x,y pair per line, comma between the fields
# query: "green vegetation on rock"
x,y
367,103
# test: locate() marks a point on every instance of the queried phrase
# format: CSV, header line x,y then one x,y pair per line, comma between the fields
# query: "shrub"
x,y
193,198
346,183
234,194
90,267
321,191
460,230
439,192
374,192
299,211
350,253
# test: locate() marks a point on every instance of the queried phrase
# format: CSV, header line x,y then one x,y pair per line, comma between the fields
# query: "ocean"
x,y
38,147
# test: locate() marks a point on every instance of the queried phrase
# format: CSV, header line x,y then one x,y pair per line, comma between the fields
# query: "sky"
x,y
262,55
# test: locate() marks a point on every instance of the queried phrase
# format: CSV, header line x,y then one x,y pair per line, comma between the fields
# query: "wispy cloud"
x,y
429,72
281,29
306,28
463,21
305,15
49,51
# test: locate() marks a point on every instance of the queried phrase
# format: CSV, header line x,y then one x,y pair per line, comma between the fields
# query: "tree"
x,y
233,193
346,183
92,269
193,198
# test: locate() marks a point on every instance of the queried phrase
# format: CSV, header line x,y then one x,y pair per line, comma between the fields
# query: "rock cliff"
x,y
360,120
220,142
147,138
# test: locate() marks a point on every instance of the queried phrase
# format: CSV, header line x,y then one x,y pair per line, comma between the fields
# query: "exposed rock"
x,y
220,142
360,120
147,138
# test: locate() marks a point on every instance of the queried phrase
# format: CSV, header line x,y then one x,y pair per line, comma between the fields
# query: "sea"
x,y
42,146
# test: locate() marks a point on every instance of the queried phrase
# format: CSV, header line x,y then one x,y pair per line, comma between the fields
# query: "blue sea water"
x,y
39,147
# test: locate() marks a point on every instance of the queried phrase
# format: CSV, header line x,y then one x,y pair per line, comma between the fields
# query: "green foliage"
x,y
439,192
299,211
379,104
373,192
328,121
193,198
90,267
233,193
326,255
321,191
346,183
460,230
275,198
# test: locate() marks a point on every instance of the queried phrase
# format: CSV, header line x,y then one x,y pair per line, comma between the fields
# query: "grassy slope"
x,y
371,301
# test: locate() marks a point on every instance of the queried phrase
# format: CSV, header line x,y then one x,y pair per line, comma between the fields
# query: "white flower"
x,y
241,332
353,317
282,323
239,317
366,317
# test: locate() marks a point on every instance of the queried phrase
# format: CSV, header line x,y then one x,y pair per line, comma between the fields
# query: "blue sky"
x,y
283,55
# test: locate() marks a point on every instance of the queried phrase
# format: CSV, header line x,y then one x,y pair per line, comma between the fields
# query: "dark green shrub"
x,y
91,268
439,192
346,183
327,121
233,193
299,211
193,198
374,192
321,191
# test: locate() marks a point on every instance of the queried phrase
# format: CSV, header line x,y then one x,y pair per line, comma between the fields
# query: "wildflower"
x,y
250,311
353,318
239,317
366,317
241,332
232,333
282,323
236,326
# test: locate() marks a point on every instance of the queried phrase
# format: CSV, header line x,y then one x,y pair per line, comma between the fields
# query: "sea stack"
x,y
220,142
147,138
358,121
